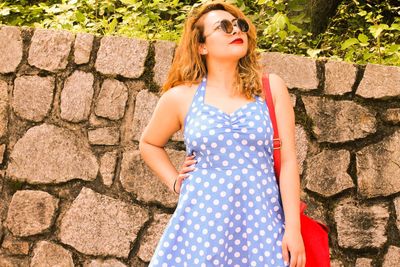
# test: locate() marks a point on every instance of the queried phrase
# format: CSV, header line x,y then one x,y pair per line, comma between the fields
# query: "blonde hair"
x,y
189,66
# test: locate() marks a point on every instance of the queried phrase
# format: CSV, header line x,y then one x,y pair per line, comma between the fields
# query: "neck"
x,y
221,75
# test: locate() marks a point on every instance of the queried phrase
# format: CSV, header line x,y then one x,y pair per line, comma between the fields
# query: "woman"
x,y
230,211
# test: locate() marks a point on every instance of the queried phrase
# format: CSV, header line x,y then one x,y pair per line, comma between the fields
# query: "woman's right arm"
x,y
163,123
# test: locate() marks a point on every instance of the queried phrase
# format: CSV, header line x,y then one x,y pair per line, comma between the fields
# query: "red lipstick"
x,y
237,41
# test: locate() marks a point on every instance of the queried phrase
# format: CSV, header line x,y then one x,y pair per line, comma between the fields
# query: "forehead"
x,y
214,16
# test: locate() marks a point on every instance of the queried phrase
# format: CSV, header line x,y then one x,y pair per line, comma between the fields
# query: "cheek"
x,y
215,46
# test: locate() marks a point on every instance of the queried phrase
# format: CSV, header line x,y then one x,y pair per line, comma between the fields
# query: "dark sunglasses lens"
x,y
226,26
243,25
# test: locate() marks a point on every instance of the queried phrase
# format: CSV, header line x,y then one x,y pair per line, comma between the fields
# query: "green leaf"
x,y
313,52
294,28
282,35
363,38
349,42
112,25
376,30
128,2
262,2
367,55
79,16
362,13
279,20
395,27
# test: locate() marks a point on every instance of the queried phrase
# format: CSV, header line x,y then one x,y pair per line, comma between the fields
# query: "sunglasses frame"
x,y
227,26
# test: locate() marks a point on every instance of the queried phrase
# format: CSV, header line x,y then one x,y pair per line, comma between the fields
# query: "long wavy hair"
x,y
189,66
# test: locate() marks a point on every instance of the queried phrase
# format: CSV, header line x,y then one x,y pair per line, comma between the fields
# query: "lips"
x,y
237,41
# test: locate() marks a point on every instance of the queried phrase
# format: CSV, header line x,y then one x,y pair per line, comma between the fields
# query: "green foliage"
x,y
361,31
364,32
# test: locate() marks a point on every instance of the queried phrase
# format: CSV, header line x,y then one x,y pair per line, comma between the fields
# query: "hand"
x,y
183,173
292,243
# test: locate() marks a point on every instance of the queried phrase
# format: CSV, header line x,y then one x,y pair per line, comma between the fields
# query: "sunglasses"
x,y
227,26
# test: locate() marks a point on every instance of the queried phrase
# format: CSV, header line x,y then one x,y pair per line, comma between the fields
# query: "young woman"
x,y
230,211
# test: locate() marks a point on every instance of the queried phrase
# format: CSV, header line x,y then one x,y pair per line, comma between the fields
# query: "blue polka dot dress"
x,y
229,211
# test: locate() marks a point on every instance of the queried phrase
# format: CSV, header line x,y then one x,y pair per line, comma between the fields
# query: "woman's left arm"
x,y
289,181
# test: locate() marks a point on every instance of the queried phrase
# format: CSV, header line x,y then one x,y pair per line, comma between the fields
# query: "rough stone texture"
x,y
128,122
144,107
112,99
76,96
339,77
48,254
136,177
293,98
361,226
288,66
122,56
2,150
83,47
10,48
107,167
301,146
97,122
336,263
2,178
164,53
13,246
6,261
397,208
151,238
104,263
325,178
104,136
31,212
363,262
49,49
100,225
378,167
380,81
3,108
391,258
339,121
32,97
392,115
50,154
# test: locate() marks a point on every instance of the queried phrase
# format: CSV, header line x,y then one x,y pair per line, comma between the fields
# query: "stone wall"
x,y
75,192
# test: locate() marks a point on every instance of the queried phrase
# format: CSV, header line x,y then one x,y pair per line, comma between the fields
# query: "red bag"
x,y
314,233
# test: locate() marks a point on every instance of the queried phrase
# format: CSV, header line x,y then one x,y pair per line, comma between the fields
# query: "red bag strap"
x,y
276,140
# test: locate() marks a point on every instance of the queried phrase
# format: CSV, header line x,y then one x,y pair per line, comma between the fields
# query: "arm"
x,y
289,182
162,125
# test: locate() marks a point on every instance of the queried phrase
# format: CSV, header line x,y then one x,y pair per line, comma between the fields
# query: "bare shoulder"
x,y
179,98
278,87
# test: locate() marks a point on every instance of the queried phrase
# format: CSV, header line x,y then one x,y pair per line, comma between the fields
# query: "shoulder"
x,y
178,98
176,94
277,85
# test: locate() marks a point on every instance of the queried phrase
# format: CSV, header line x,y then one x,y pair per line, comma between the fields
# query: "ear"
x,y
203,49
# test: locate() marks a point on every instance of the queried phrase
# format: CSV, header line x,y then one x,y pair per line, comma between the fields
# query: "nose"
x,y
235,29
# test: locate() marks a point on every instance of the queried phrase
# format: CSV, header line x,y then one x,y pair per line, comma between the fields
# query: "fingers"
x,y
189,160
297,259
183,172
285,253
301,261
186,167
